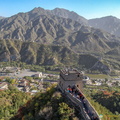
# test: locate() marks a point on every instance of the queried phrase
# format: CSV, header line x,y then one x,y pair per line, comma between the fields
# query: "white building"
x,y
38,75
3,86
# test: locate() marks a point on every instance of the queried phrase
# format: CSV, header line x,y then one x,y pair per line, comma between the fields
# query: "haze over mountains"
x,y
110,24
61,27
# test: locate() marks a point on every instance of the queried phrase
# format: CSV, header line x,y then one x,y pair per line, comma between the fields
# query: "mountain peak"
x,y
61,10
113,18
37,9
110,17
110,24
69,14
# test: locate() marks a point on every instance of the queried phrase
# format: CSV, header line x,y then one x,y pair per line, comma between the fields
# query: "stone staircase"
x,y
82,105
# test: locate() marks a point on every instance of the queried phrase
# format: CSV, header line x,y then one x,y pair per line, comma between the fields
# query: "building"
x,y
23,83
34,92
37,75
70,77
3,86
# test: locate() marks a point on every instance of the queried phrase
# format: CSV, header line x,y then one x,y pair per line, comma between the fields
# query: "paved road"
x,y
23,73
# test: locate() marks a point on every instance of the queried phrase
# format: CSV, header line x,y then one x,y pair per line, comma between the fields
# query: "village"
x,y
33,82
26,80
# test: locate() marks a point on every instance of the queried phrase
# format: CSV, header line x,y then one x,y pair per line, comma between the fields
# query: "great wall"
x,y
71,85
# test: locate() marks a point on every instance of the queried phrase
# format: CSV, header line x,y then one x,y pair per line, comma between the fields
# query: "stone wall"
x,y
65,84
79,104
72,76
71,79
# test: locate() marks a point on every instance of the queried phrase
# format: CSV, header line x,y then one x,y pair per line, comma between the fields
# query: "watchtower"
x,y
70,77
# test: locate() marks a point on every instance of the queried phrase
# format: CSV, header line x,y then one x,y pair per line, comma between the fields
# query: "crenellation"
x,y
71,77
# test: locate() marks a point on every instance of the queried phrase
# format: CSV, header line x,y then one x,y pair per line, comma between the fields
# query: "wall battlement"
x,y
71,77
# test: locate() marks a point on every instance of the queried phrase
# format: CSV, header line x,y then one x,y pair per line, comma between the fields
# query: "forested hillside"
x,y
109,98
46,55
10,101
50,105
33,53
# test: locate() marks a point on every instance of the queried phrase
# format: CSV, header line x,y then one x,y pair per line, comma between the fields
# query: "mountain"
x,y
47,27
35,53
110,24
42,28
60,12
47,55
69,14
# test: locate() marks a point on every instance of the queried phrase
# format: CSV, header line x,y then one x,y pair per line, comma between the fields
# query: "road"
x,y
23,73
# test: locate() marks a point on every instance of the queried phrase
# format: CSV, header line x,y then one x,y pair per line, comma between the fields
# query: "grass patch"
x,y
99,76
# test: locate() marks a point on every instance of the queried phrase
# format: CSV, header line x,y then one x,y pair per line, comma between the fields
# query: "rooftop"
x,y
71,71
2,84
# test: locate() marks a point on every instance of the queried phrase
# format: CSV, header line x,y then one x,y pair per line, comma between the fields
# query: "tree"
x,y
65,111
106,79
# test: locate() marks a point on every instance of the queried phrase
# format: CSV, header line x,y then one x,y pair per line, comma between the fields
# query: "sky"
x,y
86,8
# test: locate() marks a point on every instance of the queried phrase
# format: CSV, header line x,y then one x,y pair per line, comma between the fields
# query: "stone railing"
x,y
86,113
79,104
91,107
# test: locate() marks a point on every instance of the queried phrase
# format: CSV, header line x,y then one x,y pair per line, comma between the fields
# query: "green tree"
x,y
65,111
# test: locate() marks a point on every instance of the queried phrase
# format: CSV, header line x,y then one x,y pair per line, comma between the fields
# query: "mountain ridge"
x,y
42,26
35,53
110,24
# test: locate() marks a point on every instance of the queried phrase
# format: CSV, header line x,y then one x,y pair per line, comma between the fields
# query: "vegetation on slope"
x,y
87,61
111,100
10,101
49,105
105,102
33,53
51,55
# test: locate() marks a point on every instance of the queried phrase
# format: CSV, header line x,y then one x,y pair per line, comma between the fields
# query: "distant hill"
x,y
1,17
91,63
110,24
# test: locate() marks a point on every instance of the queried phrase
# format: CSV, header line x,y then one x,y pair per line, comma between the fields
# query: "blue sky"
x,y
86,8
